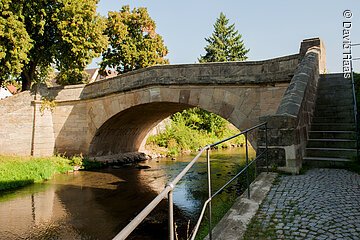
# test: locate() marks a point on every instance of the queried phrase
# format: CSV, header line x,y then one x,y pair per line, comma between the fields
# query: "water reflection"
x,y
97,205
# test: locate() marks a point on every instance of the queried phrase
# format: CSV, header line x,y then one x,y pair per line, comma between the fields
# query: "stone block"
x,y
184,96
205,101
226,110
170,94
279,121
155,95
231,98
276,156
237,117
218,95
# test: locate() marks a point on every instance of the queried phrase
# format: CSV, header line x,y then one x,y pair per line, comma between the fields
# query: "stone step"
x,y
331,113
331,75
334,115
336,108
331,143
328,76
335,101
331,152
331,96
332,127
350,120
334,89
326,161
333,82
332,135
326,82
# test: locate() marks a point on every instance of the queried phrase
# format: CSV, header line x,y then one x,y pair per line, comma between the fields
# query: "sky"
x,y
269,28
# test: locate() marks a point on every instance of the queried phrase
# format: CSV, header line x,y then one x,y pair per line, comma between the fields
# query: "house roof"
x,y
94,75
12,89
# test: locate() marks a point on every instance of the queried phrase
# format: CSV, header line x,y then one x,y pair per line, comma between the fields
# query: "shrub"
x,y
193,129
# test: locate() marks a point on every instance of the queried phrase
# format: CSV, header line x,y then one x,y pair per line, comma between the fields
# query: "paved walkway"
x,y
321,204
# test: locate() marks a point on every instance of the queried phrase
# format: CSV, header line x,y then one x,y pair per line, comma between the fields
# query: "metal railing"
x,y
355,101
168,191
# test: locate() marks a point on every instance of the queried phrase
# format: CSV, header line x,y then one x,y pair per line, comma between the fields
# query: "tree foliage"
x,y
15,42
134,43
224,44
63,33
192,130
199,119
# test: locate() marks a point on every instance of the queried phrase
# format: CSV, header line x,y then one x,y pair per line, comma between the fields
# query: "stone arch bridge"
x,y
115,115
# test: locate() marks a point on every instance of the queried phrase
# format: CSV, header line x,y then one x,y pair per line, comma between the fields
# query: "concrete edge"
x,y
234,224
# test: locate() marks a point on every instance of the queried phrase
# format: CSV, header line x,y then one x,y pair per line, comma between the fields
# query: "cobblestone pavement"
x,y
320,204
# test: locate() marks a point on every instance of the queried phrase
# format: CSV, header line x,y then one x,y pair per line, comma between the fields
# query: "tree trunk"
x,y
25,82
27,76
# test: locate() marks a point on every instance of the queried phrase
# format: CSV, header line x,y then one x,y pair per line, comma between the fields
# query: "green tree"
x,y
134,43
65,33
224,44
15,42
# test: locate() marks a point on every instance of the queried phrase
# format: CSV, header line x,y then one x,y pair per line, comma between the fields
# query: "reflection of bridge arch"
x,y
122,128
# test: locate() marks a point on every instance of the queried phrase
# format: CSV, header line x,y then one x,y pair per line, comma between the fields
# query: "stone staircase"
x,y
332,139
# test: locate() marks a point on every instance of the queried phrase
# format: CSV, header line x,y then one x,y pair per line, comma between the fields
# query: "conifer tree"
x,y
225,44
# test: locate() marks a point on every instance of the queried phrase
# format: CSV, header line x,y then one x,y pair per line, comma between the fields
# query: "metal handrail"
x,y
208,201
355,111
355,102
168,191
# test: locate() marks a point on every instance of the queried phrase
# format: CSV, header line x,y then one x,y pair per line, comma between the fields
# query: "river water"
x,y
98,204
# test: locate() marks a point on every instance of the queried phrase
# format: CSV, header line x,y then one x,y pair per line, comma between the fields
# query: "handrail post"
x,y
209,189
171,215
266,149
247,163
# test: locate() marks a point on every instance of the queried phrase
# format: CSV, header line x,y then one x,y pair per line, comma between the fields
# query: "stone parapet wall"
x,y
288,128
269,71
16,124
25,129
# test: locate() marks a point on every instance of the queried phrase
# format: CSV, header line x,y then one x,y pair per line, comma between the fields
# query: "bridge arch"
x,y
120,122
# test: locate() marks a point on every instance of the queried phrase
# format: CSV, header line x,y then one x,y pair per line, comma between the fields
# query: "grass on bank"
x,y
17,172
221,204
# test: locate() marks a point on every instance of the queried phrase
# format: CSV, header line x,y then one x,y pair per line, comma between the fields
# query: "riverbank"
x,y
60,212
16,172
